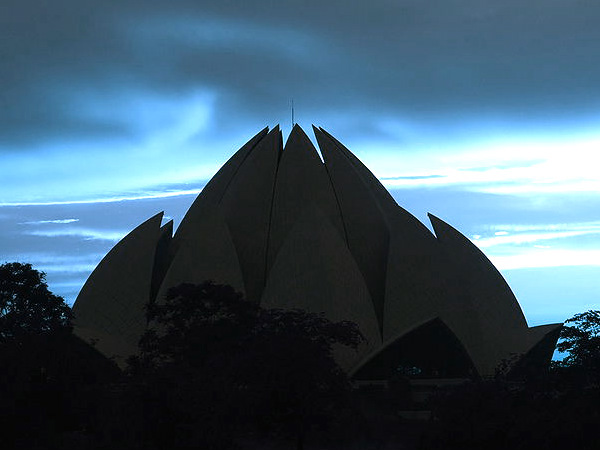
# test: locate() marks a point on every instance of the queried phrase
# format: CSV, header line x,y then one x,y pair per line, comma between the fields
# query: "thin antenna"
x,y
293,123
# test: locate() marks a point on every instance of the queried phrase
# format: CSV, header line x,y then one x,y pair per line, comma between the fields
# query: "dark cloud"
x,y
442,61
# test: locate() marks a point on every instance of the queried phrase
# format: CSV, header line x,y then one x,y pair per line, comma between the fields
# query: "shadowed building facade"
x,y
290,230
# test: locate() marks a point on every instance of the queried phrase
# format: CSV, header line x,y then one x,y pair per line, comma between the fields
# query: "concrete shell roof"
x,y
112,300
292,231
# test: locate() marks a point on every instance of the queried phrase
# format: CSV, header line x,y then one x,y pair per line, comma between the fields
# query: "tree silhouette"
x,y
581,341
51,382
26,305
216,364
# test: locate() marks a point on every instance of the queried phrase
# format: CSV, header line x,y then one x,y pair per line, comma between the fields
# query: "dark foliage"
x,y
559,409
581,342
51,388
51,383
26,305
217,366
218,372
500,415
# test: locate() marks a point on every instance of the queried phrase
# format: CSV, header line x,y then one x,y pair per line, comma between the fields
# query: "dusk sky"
x,y
484,113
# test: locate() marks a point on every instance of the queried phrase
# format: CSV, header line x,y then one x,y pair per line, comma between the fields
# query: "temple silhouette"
x,y
291,230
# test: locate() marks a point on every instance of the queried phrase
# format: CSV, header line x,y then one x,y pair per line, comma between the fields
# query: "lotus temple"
x,y
295,229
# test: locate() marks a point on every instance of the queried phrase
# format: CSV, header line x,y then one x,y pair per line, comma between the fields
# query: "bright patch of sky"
x,y
115,199
544,164
40,222
527,234
521,246
86,234
164,149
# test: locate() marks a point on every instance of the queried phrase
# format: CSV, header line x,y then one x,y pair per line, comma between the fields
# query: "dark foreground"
x,y
66,406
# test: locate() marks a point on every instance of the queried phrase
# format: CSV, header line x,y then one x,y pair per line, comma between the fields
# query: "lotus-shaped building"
x,y
291,231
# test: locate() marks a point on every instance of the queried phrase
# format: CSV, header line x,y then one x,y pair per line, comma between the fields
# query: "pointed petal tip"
x,y
316,131
298,133
297,130
275,132
157,216
167,228
439,225
328,134
434,219
549,327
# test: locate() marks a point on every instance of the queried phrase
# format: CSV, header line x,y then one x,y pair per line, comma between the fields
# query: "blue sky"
x,y
481,112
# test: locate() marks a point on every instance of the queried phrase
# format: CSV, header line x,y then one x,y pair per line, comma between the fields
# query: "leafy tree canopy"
x,y
215,359
201,321
26,305
581,340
